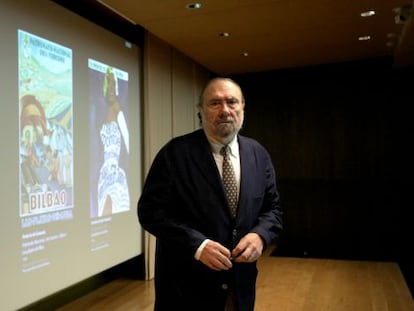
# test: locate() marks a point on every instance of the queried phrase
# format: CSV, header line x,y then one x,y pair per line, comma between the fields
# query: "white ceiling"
x,y
276,34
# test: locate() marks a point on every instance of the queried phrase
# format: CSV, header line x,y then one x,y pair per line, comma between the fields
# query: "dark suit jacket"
x,y
183,202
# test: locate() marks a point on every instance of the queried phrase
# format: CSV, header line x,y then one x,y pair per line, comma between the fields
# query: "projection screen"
x,y
71,152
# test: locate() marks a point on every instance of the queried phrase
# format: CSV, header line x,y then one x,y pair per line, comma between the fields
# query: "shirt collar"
x,y
234,147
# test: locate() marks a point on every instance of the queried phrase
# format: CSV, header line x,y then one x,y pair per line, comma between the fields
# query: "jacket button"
x,y
224,286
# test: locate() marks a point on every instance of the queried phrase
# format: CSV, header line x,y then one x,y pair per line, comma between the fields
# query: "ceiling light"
x,y
364,38
368,13
194,6
224,34
245,54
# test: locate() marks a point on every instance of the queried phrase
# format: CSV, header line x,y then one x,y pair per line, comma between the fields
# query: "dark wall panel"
x,y
340,138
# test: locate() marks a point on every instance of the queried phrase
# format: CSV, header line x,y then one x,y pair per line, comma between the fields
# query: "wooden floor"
x,y
285,284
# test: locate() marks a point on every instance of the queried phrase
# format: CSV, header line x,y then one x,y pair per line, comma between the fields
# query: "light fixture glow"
x,y
368,13
194,6
364,38
245,54
224,34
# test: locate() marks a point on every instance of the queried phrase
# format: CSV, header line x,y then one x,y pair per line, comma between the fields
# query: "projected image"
x,y
109,139
46,140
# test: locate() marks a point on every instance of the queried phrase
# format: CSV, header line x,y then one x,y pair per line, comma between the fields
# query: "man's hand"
x,y
216,256
249,249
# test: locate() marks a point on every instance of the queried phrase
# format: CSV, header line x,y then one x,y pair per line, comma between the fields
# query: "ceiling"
x,y
276,34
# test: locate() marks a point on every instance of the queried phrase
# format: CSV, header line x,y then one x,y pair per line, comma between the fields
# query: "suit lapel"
x,y
246,166
202,158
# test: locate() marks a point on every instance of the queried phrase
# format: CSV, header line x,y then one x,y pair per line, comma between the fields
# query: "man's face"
x,y
222,110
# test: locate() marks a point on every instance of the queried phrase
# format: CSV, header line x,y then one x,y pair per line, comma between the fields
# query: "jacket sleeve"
x,y
262,207
269,223
158,208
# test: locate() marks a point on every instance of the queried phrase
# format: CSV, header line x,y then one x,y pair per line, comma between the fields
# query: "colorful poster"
x,y
46,133
109,137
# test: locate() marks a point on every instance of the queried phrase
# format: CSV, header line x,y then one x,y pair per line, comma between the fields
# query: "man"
x,y
206,256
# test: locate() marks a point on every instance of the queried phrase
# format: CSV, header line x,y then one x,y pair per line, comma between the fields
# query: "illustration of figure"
x,y
33,128
33,115
113,192
28,162
53,164
61,143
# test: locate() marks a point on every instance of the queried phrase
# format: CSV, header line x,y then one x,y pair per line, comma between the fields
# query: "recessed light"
x,y
194,6
368,13
245,54
224,34
364,38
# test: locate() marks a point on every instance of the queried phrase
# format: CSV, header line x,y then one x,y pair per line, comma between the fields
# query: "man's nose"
x,y
225,107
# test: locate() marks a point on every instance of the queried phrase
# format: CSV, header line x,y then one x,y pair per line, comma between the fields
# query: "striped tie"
x,y
229,179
